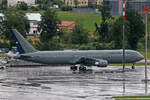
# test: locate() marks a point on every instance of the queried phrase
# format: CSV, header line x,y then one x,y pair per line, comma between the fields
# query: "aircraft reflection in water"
x,y
83,58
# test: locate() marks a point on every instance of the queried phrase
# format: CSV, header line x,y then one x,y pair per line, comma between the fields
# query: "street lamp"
x,y
146,10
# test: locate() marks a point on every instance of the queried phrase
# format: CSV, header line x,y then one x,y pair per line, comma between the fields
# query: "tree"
x,y
3,5
117,29
66,8
137,28
54,44
57,2
43,4
19,22
22,6
42,1
79,35
134,30
49,25
105,12
103,30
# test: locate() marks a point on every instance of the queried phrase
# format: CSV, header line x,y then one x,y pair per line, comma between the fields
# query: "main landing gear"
x,y
2,67
80,68
74,67
133,66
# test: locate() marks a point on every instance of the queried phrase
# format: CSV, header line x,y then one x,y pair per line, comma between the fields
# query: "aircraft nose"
x,y
140,57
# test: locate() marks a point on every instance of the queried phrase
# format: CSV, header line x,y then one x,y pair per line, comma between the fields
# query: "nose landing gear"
x,y
133,66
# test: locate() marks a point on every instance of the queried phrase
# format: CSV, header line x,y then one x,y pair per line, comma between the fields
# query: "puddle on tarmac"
x,y
59,83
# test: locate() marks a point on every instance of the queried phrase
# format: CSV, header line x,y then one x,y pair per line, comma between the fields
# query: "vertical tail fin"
x,y
22,44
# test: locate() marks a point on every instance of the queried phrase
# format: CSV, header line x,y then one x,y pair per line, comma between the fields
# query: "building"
x,y
15,2
76,3
92,3
138,5
81,3
99,2
67,26
116,5
34,19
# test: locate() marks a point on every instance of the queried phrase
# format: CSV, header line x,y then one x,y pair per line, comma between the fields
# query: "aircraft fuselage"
x,y
69,56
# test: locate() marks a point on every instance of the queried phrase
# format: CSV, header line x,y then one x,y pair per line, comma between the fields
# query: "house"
x,y
15,2
67,25
34,19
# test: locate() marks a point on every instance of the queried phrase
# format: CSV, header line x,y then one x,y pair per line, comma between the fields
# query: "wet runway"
x,y
59,83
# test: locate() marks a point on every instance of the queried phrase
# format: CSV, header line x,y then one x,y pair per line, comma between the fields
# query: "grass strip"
x,y
131,97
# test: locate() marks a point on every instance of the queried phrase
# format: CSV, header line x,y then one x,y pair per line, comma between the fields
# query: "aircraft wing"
x,y
91,62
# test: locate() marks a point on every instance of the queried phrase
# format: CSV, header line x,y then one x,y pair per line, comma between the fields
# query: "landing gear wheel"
x,y
74,68
82,68
133,66
2,67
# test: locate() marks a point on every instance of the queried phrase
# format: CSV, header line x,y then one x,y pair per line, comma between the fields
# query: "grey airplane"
x,y
82,58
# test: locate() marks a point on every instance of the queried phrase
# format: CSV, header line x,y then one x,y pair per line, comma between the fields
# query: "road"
x,y
59,83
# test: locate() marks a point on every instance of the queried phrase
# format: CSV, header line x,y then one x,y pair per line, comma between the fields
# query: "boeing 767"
x,y
83,58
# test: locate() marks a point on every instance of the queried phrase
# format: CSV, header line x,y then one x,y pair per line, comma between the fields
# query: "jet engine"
x,y
101,63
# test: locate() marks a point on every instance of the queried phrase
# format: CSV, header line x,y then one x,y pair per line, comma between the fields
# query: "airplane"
x,y
83,58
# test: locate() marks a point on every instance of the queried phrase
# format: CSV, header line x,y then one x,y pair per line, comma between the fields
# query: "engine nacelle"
x,y
101,63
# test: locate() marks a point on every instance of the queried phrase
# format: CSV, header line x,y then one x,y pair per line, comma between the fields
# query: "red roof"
x,y
66,23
